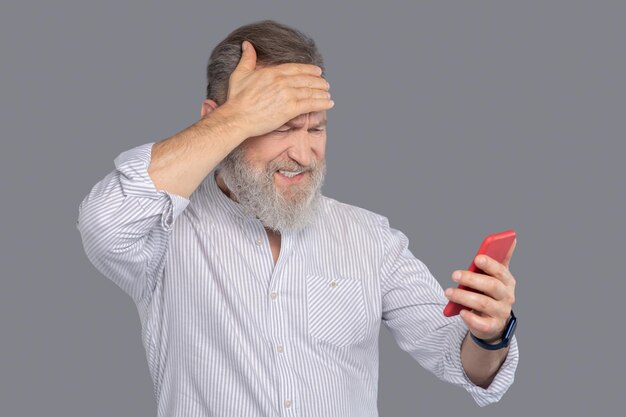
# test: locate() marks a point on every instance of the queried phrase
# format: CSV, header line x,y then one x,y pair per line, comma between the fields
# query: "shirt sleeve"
x,y
412,310
125,222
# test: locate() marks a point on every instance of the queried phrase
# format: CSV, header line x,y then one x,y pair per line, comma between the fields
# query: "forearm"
x,y
481,365
180,163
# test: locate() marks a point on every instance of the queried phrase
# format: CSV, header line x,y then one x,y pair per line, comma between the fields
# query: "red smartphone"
x,y
495,246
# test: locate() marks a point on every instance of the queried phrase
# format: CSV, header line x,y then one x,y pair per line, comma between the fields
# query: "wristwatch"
x,y
507,334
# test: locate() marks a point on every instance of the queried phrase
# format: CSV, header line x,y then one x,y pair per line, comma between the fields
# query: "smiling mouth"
x,y
294,179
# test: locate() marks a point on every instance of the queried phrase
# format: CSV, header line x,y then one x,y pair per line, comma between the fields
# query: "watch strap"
x,y
507,334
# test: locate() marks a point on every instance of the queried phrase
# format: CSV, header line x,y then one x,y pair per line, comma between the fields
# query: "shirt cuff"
x,y
135,181
456,374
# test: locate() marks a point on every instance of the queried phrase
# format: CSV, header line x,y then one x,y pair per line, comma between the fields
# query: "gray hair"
x,y
274,43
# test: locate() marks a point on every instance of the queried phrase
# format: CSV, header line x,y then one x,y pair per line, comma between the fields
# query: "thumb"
x,y
247,61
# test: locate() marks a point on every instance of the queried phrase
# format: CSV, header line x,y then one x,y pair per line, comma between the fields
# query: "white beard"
x,y
288,208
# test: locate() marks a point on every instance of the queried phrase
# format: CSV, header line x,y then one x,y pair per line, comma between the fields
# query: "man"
x,y
258,295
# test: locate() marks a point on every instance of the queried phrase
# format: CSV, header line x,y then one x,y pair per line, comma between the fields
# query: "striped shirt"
x,y
229,333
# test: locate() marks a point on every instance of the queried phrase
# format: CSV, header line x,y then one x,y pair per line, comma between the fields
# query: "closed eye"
x,y
310,130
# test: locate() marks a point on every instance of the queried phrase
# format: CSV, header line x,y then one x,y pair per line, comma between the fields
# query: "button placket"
x,y
288,389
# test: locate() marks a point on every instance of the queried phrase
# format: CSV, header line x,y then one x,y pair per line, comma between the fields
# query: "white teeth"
x,y
289,173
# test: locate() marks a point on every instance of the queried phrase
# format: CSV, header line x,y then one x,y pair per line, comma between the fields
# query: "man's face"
x,y
251,174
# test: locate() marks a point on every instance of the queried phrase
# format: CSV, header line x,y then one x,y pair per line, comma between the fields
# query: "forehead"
x,y
315,118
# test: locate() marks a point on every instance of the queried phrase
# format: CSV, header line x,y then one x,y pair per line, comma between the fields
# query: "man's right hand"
x,y
263,99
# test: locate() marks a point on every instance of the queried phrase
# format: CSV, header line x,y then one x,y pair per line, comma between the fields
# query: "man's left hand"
x,y
491,309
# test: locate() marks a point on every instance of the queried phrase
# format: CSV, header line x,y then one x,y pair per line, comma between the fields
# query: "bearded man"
x,y
258,295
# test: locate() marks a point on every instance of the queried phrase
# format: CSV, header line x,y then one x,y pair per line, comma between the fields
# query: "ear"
x,y
208,106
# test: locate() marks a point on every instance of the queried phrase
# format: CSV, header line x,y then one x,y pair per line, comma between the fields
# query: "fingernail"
x,y
244,45
456,276
449,291
480,260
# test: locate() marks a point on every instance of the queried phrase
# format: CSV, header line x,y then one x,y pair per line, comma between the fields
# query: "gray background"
x,y
454,119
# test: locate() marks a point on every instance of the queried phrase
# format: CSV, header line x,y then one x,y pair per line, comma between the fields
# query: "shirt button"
x,y
287,403
259,242
333,284
273,295
279,348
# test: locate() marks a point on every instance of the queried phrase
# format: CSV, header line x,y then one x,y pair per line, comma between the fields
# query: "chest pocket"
x,y
335,309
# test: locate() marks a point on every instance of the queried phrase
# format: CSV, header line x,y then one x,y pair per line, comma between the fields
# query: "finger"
x,y
489,285
292,68
309,105
304,93
247,61
483,327
494,268
306,80
475,301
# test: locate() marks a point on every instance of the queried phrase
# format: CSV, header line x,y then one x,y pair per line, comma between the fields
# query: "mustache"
x,y
297,167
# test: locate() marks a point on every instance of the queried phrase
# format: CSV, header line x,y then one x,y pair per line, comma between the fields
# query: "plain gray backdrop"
x,y
498,115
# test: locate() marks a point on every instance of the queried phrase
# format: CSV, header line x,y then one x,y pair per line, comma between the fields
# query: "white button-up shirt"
x,y
227,332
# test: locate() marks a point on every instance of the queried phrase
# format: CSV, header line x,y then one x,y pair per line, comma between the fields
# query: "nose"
x,y
300,149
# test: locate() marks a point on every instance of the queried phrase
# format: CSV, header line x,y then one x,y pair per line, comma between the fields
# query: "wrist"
x,y
229,119
505,339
